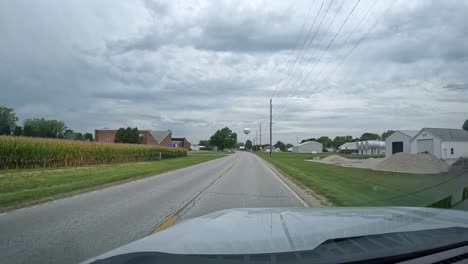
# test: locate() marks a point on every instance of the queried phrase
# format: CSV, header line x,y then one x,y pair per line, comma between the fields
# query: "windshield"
x,y
229,127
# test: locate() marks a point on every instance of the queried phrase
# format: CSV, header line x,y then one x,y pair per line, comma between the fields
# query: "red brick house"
x,y
180,143
147,137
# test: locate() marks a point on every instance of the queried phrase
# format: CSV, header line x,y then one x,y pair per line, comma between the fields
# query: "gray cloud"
x,y
194,67
457,87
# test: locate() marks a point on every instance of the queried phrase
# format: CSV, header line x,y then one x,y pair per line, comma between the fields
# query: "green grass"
x,y
344,186
25,185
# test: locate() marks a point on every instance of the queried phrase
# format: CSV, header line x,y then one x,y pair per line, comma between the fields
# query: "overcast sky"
x,y
196,66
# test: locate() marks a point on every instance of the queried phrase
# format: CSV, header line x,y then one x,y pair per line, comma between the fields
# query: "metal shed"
x,y
445,143
399,141
308,147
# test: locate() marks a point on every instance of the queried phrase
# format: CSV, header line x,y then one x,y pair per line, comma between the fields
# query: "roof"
x,y
308,142
106,129
447,133
160,135
348,145
410,133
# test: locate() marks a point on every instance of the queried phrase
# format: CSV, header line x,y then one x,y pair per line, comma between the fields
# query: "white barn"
x,y
399,141
443,143
308,147
349,147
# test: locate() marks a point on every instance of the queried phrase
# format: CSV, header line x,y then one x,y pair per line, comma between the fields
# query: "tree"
x,y
88,137
248,145
18,131
309,139
369,136
340,140
28,130
7,120
78,136
128,135
465,125
69,134
326,142
205,144
385,135
40,127
280,145
224,138
288,146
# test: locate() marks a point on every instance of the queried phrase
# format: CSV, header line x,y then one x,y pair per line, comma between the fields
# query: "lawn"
x,y
21,186
344,186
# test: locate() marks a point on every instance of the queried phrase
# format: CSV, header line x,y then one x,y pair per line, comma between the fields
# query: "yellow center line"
x,y
172,219
230,167
165,225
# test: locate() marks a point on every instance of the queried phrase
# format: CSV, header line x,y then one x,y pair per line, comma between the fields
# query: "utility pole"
x,y
271,126
297,144
256,145
260,133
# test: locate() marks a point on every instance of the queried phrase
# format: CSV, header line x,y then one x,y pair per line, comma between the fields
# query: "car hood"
x,y
268,230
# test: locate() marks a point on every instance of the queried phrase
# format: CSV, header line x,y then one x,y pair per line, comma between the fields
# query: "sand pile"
x,y
413,163
371,163
335,159
400,162
356,163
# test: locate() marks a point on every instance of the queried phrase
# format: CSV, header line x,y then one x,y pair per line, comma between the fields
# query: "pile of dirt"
x,y
355,163
371,163
335,159
413,163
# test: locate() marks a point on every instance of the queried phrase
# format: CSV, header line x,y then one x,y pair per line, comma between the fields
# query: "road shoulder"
x,y
306,194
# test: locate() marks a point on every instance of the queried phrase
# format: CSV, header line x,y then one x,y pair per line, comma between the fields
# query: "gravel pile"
x,y
413,163
400,162
335,159
356,163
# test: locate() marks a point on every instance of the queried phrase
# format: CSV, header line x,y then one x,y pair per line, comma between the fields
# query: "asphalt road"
x,y
74,229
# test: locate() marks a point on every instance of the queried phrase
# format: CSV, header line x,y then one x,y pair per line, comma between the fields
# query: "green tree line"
x,y
37,127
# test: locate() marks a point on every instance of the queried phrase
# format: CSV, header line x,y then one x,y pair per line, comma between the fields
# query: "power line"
x,y
299,38
324,51
363,37
300,51
282,92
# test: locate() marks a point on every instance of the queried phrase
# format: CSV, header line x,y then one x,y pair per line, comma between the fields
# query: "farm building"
x,y
348,147
443,143
308,147
370,147
399,141
267,149
147,137
180,143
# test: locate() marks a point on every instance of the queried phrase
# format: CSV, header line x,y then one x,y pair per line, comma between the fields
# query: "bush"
x,y
23,152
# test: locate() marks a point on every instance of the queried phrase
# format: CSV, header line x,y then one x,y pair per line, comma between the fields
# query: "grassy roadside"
x,y
22,186
344,186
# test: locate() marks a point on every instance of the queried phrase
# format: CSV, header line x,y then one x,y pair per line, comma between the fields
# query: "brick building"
x,y
180,143
147,137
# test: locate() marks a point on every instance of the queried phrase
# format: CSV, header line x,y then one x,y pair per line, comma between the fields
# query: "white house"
x,y
308,147
195,147
399,141
267,149
443,143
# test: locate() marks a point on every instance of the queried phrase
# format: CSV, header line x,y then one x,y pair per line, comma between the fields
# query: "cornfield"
x,y
23,152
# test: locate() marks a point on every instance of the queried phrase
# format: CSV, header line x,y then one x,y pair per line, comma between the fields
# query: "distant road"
x,y
74,229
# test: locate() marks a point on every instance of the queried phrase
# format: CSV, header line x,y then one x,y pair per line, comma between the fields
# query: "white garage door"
x,y
426,145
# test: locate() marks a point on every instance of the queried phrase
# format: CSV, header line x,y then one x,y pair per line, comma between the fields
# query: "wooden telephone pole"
x,y
271,126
